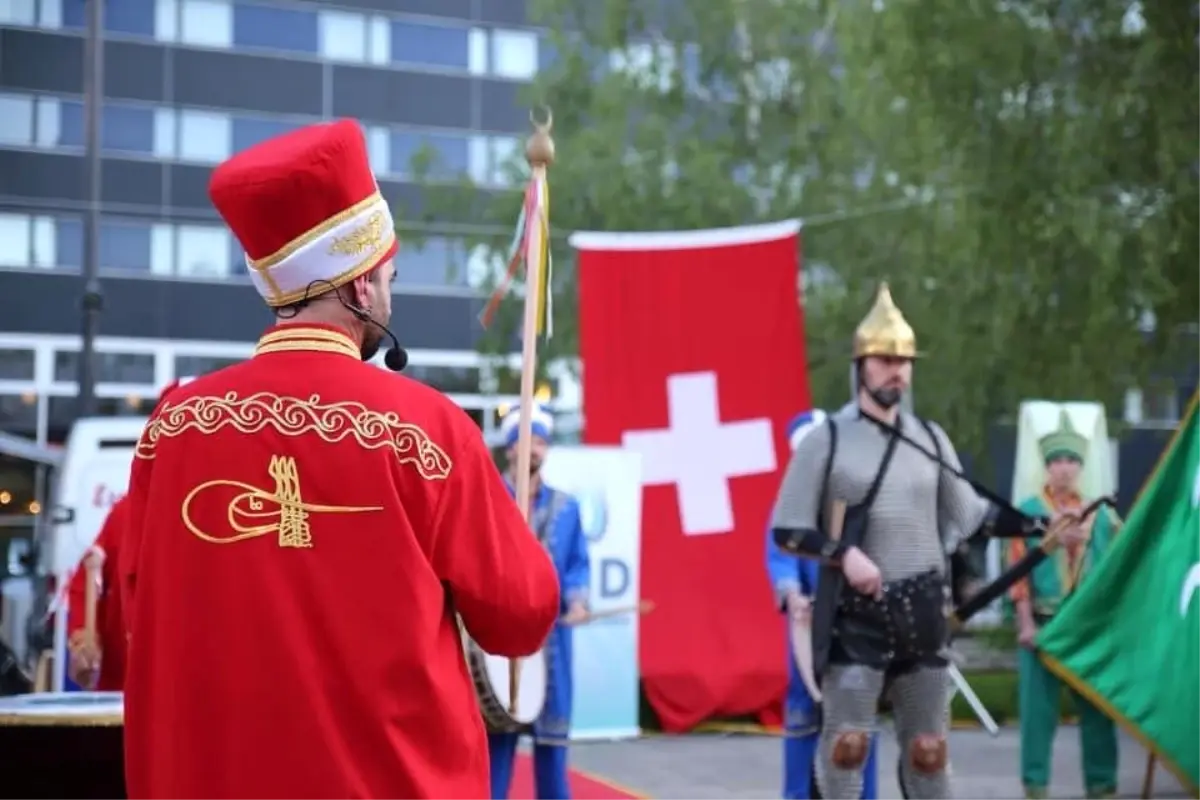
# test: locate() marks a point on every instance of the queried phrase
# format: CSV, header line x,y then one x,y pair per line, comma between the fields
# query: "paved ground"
x,y
733,766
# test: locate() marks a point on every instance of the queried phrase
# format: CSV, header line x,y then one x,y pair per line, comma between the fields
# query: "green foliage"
x,y
1024,173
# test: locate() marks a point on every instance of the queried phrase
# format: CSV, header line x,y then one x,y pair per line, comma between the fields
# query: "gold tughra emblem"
x,y
253,512
363,239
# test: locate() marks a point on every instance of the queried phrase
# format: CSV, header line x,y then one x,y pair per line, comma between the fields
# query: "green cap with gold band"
x,y
1065,442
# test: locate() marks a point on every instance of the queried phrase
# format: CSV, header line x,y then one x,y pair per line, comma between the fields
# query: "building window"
x,y
124,245
508,161
68,243
16,117
497,160
435,261
208,23
17,12
431,155
165,132
204,136
380,51
237,257
166,20
16,365
203,251
379,150
17,235
123,128
50,14
343,36
27,241
63,411
477,52
46,119
514,54
547,53
18,414
195,366
274,28
134,17
249,131
110,367
430,45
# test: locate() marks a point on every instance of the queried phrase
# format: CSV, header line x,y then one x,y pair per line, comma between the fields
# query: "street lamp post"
x,y
93,298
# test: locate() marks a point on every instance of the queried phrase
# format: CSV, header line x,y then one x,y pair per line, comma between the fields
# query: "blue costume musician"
x,y
795,584
555,520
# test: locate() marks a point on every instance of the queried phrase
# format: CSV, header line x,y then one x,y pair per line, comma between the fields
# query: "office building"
x,y
186,84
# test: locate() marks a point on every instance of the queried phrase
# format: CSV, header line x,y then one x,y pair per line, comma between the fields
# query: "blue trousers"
x,y
799,764
549,767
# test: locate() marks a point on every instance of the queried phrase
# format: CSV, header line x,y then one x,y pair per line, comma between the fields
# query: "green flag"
x,y
1129,640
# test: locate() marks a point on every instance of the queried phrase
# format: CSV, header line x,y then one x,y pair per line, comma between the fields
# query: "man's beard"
x,y
372,337
886,396
535,465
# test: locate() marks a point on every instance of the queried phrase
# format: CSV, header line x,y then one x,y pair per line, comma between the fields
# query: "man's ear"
x,y
362,297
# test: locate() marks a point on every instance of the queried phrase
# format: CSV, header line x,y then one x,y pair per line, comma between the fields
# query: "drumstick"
x,y
644,607
94,564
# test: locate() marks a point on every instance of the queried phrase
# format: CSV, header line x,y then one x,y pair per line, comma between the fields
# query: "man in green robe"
x,y
1038,598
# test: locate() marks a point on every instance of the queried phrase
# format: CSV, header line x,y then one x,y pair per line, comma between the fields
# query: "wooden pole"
x,y
1148,778
539,152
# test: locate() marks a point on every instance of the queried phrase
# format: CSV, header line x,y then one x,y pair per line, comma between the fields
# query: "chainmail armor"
x,y
918,515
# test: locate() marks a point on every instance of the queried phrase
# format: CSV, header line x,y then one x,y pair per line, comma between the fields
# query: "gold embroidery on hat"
x,y
294,416
363,238
364,266
314,233
254,512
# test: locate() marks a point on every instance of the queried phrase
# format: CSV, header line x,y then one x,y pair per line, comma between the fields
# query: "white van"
x,y
93,476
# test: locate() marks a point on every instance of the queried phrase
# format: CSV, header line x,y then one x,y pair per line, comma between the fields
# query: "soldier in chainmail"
x,y
880,616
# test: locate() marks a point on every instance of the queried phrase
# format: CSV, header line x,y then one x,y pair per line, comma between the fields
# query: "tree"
x,y
1017,171
1060,142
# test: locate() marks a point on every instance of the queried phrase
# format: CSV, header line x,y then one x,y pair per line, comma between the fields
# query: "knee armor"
x,y
927,754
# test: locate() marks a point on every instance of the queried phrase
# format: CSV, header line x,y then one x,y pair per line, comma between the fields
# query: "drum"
x,y
491,676
62,744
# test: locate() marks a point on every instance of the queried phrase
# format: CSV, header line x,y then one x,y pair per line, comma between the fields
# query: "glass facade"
x,y
38,389
474,140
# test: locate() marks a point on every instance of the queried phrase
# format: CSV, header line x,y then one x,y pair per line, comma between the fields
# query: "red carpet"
x,y
584,786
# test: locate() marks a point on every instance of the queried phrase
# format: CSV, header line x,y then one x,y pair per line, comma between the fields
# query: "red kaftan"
x,y
110,628
304,528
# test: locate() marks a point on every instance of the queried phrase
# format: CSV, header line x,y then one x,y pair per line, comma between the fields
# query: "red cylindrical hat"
x,y
306,209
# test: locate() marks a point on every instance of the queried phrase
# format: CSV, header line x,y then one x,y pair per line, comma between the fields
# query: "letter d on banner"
x,y
607,482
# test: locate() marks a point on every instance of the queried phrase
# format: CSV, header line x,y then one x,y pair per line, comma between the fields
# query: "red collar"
x,y
291,337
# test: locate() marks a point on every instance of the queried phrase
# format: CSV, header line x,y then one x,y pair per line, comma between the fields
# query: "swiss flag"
x,y
693,355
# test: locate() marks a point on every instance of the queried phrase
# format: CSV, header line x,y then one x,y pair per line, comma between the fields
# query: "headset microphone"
x,y
396,358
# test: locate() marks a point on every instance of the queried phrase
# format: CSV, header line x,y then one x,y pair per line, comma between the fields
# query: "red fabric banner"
x,y
693,355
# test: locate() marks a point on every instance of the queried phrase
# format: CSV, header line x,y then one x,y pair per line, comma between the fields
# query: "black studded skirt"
x,y
906,628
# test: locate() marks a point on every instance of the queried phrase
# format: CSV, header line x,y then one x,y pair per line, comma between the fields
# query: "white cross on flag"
x,y
693,356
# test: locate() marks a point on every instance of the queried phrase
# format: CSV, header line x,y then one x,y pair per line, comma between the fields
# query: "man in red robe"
x,y
98,661
307,529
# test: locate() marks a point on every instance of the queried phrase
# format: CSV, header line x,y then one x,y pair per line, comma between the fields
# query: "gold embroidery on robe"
x,y
293,416
254,512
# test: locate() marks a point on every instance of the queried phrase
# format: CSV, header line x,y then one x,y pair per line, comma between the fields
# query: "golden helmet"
x,y
884,331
